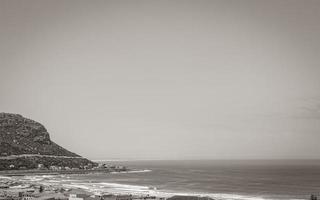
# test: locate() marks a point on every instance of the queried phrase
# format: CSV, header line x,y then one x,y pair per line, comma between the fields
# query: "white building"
x,y
77,196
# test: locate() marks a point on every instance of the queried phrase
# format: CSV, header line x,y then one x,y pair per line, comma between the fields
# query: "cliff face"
x,y
19,135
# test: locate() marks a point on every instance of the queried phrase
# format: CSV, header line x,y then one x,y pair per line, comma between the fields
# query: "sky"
x,y
166,79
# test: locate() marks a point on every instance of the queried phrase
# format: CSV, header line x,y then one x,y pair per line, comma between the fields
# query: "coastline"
x,y
57,190
91,182
13,185
51,172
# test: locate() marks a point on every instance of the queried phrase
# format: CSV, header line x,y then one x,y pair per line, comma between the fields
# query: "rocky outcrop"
x,y
20,136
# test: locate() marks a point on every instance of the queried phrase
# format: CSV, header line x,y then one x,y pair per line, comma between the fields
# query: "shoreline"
x,y
11,187
36,178
65,191
54,172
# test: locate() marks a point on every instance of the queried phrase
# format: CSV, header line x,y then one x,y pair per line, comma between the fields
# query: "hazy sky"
x,y
166,79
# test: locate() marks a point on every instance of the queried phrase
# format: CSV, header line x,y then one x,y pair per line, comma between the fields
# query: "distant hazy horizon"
x,y
166,79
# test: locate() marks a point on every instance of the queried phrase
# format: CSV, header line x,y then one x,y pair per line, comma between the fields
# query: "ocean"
x,y
245,179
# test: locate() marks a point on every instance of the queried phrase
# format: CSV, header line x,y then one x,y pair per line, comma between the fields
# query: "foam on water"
x,y
117,188
221,181
132,171
6,177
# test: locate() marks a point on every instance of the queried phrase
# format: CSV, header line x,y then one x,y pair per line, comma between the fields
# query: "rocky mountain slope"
x,y
20,136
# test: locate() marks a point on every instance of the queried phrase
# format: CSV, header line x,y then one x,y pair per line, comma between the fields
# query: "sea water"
x,y
245,179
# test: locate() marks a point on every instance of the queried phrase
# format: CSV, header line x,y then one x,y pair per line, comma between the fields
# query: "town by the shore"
x,y
12,189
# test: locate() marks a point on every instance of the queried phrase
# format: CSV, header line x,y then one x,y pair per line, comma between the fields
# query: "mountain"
x,y
25,143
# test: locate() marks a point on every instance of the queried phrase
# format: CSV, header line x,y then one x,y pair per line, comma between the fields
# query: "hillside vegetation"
x,y
19,136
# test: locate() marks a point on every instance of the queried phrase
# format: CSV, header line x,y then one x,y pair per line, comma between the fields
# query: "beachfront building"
x,y
26,196
41,166
78,196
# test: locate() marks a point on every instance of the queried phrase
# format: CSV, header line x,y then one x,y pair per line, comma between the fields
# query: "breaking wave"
x,y
116,188
132,171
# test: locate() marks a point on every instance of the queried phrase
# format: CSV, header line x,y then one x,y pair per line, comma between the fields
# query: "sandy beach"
x,y
44,187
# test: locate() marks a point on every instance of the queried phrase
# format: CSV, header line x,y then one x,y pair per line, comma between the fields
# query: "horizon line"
x,y
207,159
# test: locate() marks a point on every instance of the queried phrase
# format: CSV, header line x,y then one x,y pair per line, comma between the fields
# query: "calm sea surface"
x,y
219,179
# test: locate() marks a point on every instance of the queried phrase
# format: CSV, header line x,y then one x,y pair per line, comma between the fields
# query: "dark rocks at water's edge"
x,y
26,144
178,197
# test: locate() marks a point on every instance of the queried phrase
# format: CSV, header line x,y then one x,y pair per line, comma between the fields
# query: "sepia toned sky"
x,y
166,79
